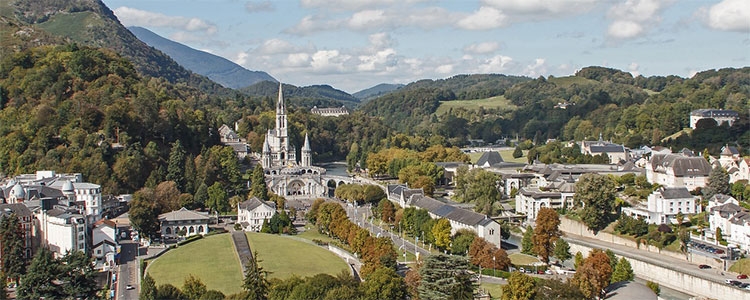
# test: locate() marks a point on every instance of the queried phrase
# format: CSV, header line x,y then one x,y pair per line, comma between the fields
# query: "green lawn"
x,y
507,155
212,259
284,256
522,259
495,290
498,102
742,266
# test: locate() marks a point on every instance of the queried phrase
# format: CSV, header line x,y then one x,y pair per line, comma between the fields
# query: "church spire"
x,y
306,147
306,153
280,106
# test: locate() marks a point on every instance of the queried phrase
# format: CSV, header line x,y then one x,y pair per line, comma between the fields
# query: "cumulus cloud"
x,y
496,64
633,69
482,48
311,24
374,20
275,46
729,15
368,19
484,18
136,17
538,68
258,6
541,8
351,4
633,18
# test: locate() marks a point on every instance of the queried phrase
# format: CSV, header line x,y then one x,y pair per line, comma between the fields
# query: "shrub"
x,y
654,287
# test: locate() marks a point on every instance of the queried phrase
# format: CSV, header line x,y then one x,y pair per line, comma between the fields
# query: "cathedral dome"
x,y
18,191
68,186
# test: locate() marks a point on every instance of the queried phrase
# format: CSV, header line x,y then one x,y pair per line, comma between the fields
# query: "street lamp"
x,y
493,267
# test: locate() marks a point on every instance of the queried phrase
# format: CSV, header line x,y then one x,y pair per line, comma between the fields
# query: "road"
x,y
127,271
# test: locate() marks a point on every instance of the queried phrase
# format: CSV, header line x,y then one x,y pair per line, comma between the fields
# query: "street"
x,y
128,271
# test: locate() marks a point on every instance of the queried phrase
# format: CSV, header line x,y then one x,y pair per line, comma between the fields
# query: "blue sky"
x,y
356,44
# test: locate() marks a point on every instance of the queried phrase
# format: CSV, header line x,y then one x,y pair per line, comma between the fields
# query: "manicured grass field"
x,y
212,259
522,259
495,290
498,102
284,256
742,266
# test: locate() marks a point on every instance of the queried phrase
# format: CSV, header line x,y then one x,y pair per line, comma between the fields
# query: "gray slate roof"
x,y
18,208
675,193
182,214
490,158
682,165
254,202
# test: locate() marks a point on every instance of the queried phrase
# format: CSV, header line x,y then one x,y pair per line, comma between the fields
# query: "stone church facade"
x,y
285,175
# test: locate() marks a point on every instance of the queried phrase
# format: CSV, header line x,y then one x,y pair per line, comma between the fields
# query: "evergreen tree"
x,y
213,295
12,238
79,276
143,213
578,260
562,250
258,186
201,195
517,153
445,277
256,279
190,175
623,271
527,243
176,166
169,292
148,288
217,198
193,287
718,182
38,282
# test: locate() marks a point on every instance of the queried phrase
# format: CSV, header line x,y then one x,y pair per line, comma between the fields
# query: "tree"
x,y
445,277
557,289
623,271
562,250
12,242
517,153
212,295
684,237
578,260
718,182
520,287
79,276
478,186
256,279
169,292
594,275
38,282
193,287
486,255
654,287
441,231
282,289
148,288
201,195
384,283
217,198
546,233
258,186
176,165
597,194
527,242
462,240
504,230
387,211
143,213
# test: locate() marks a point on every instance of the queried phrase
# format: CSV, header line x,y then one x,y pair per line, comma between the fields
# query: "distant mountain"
x,y
90,23
376,91
308,96
216,68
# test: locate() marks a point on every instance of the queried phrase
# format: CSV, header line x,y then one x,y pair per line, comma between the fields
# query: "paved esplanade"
x,y
239,239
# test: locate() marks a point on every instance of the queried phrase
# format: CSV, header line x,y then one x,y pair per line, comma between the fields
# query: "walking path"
x,y
241,245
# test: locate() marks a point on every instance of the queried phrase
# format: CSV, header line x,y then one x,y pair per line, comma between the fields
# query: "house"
x,y
459,218
531,198
727,215
251,213
228,135
104,243
183,222
742,171
675,170
329,111
719,115
489,159
63,229
615,152
664,204
26,218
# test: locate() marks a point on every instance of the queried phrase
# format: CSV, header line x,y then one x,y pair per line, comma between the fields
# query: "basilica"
x,y
285,175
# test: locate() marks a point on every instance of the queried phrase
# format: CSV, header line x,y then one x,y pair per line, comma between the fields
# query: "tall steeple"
x,y
306,153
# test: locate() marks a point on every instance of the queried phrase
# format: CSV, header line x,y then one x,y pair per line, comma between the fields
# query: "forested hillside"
x,y
633,111
308,96
29,23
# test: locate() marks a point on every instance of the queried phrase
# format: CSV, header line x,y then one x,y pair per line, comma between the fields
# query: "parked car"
x,y
742,276
704,266
733,282
129,287
719,251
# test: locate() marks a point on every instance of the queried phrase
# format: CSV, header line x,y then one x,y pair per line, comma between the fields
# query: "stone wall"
x,y
685,282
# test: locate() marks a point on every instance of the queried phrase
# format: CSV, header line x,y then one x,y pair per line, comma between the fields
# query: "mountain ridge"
x,y
216,68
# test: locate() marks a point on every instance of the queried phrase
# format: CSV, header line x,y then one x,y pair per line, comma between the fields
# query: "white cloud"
x,y
136,17
368,19
381,40
730,15
258,6
633,69
444,69
352,4
381,61
496,64
542,8
241,58
328,61
482,48
484,18
633,18
538,68
275,46
310,24
297,60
